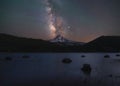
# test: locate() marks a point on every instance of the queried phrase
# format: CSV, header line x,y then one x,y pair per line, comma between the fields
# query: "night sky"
x,y
80,20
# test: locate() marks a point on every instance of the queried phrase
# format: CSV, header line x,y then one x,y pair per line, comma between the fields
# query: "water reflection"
x,y
43,68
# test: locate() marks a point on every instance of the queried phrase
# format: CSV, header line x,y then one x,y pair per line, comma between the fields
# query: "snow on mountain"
x,y
61,40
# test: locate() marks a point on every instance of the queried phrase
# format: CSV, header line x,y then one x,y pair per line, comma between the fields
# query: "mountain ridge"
x,y
9,43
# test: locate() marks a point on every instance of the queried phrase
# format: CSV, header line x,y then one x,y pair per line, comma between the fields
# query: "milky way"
x,y
56,23
77,20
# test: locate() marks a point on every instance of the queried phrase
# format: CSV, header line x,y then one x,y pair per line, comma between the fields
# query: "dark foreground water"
x,y
50,69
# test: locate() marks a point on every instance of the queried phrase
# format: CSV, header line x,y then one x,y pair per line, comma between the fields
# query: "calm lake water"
x,y
48,69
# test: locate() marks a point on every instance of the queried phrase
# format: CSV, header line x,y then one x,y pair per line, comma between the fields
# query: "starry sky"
x,y
81,20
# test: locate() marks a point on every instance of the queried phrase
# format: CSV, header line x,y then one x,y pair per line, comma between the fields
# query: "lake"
x,y
59,69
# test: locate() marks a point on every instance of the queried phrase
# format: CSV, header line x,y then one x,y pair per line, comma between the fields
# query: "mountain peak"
x,y
60,39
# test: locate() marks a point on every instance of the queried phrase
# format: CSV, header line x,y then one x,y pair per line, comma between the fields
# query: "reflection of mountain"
x,y
10,43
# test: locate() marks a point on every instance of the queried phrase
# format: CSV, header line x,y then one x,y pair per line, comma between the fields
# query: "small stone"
x,y
26,57
8,58
83,56
106,56
110,75
86,69
117,54
66,60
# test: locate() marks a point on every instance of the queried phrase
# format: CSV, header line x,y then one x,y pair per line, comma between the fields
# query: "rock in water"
x,y
86,69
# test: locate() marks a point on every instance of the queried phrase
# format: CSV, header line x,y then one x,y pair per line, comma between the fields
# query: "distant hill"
x,y
9,43
12,43
104,44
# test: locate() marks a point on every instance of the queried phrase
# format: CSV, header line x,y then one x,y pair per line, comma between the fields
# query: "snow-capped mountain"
x,y
61,40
